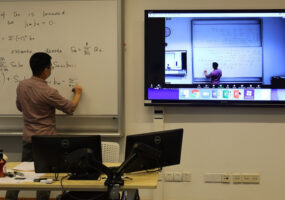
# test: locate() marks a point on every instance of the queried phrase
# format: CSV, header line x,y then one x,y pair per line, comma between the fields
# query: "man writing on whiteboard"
x,y
38,101
215,75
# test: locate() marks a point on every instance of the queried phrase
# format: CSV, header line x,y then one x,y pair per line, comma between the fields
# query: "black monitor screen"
x,y
167,144
53,154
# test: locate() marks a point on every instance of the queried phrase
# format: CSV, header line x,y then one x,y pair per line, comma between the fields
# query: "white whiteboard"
x,y
235,62
234,44
229,33
81,36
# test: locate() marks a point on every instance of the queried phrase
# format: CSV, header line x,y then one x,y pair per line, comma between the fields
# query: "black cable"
x,y
153,170
61,184
127,178
56,176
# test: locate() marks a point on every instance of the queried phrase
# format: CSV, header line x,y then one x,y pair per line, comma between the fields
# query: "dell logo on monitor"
x,y
157,140
65,143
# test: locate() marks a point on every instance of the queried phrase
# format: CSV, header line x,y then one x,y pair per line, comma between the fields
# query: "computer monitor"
x,y
158,149
60,153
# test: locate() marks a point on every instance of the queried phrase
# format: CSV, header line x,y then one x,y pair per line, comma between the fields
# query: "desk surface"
x,y
140,180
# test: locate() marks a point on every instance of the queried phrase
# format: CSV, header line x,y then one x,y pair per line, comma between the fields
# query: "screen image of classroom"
x,y
248,50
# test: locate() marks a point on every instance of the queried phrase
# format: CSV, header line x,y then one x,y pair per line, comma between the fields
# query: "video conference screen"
x,y
215,56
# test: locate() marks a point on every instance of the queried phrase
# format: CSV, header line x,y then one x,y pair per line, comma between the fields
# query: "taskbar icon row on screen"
x,y
224,94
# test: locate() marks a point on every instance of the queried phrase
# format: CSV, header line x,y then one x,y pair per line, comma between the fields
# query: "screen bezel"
x,y
49,151
167,142
169,102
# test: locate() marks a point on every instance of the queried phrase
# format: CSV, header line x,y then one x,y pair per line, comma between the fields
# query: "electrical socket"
x,y
255,178
226,178
186,177
160,176
251,178
237,178
168,176
177,176
213,177
217,178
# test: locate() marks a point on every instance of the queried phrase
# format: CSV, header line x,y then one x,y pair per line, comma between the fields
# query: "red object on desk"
x,y
2,163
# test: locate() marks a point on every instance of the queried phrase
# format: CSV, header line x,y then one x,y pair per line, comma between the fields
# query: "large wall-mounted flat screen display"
x,y
215,57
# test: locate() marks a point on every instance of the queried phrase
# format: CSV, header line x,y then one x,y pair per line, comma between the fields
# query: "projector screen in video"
x,y
233,57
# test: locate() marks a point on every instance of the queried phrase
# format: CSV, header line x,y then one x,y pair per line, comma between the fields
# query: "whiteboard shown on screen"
x,y
235,62
80,36
235,44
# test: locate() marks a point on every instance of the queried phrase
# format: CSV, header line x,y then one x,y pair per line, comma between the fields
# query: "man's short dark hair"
x,y
215,65
39,61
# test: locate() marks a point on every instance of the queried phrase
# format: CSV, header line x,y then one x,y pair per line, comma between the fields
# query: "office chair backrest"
x,y
110,152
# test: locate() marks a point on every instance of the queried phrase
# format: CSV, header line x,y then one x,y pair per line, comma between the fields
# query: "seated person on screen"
x,y
38,102
215,75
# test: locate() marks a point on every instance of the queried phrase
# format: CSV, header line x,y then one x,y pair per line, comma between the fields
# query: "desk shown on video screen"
x,y
135,181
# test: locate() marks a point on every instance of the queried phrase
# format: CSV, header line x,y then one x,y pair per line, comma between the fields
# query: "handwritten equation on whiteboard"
x,y
82,39
16,78
23,32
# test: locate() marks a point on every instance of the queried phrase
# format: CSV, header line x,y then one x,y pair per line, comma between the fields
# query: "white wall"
x,y
215,139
